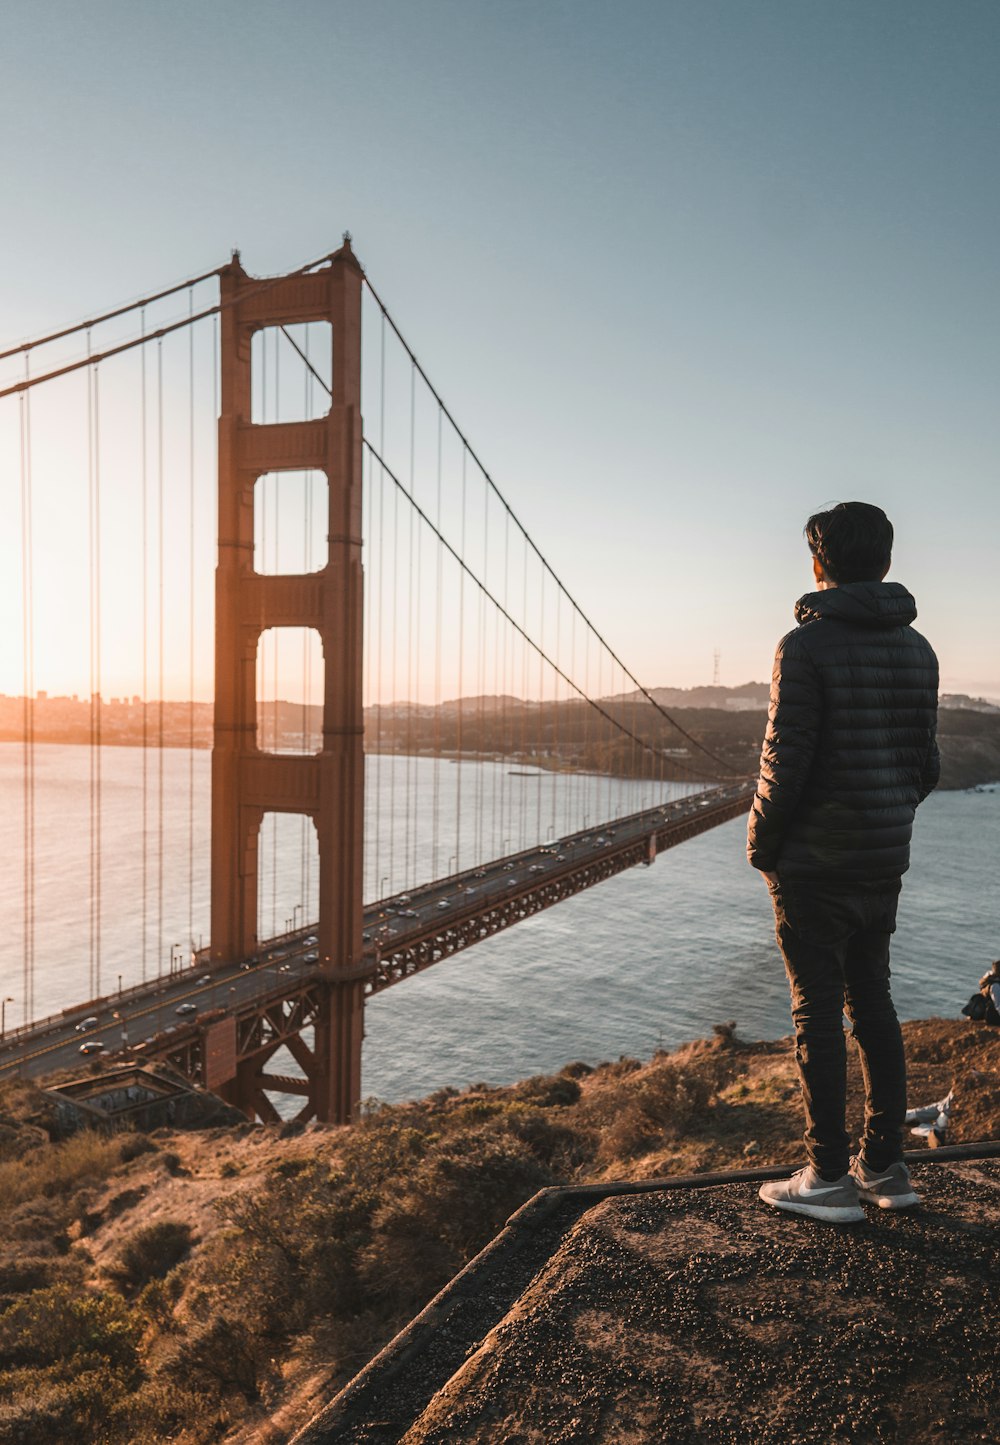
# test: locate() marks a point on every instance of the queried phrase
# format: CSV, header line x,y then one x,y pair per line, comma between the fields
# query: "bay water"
x,y
651,958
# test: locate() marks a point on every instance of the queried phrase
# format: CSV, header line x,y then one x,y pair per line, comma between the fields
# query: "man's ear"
x,y
818,573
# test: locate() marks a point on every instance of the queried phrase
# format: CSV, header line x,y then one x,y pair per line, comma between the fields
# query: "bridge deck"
x,y
272,994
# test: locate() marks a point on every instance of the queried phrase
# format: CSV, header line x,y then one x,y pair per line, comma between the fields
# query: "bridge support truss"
x,y
247,782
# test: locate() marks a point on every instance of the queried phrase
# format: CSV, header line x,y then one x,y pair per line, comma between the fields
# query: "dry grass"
x,y
85,1159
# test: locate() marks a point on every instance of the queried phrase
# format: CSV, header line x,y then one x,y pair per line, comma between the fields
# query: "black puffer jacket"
x,y
850,745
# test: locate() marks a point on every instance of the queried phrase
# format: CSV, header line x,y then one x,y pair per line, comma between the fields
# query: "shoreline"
x,y
980,784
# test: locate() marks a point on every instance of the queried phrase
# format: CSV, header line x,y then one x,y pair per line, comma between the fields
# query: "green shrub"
x,y
63,1326
150,1253
453,1203
42,1410
548,1090
220,1354
135,1145
26,1272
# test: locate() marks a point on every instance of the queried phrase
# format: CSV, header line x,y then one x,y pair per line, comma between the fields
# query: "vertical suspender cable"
x,y
410,699
439,585
481,684
97,675
191,497
307,506
496,749
215,384
367,501
262,496
145,658
393,770
508,645
557,775
381,622
159,679
28,722
276,635
522,818
418,690
94,724
540,714
461,659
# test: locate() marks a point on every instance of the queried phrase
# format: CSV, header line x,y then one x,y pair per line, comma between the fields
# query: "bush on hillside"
x,y
150,1253
61,1326
42,1409
218,1355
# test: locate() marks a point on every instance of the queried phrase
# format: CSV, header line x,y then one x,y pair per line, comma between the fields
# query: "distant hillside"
x,y
743,698
962,701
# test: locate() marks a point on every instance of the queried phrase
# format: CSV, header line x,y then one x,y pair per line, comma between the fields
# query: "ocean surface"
x,y
649,959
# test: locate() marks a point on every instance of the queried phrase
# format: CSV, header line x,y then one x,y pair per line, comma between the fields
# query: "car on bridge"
x,y
88,1024
186,1008
92,1046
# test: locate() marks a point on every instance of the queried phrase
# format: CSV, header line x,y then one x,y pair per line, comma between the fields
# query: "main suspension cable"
x,y
140,305
527,640
147,336
529,541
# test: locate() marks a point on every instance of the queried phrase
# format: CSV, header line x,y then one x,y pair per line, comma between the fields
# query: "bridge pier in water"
x,y
247,782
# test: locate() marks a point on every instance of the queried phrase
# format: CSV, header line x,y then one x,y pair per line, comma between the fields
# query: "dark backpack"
x,y
976,1008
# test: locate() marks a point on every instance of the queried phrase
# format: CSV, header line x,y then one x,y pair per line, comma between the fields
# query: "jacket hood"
x,y
866,604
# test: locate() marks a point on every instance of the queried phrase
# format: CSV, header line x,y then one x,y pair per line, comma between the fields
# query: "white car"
x,y
92,1046
186,1008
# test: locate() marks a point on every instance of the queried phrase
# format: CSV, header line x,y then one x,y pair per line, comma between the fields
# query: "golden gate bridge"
x,y
374,707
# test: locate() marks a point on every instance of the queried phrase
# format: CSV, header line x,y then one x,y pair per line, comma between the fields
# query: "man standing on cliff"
x,y
848,754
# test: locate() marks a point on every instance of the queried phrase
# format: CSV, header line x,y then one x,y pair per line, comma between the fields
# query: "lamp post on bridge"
x,y
3,1015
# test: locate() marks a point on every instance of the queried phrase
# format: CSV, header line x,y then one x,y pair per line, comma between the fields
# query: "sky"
x,y
684,273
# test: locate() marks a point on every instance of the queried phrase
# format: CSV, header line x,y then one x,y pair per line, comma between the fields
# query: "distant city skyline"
x,y
684,273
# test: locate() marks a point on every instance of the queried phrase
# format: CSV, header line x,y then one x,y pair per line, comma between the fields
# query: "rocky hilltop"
x,y
223,1282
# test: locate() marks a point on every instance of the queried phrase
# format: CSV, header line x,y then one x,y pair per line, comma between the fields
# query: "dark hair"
x,y
852,541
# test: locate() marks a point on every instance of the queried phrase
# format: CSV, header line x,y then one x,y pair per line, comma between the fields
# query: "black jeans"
x,y
836,951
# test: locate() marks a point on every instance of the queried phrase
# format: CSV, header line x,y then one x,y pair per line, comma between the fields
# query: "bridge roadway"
x,y
402,935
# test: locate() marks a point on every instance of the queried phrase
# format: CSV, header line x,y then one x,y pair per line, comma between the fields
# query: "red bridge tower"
x,y
246,781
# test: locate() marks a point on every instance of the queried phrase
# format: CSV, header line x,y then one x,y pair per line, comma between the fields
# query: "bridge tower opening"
x,y
248,782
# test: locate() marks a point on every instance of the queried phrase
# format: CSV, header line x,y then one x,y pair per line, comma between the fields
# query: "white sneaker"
x,y
888,1188
807,1192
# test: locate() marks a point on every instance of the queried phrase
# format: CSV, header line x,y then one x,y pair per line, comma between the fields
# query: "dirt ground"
x,y
662,1317
707,1316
